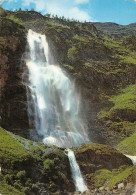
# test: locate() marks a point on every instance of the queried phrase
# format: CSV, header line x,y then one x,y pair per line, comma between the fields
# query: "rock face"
x,y
94,157
13,109
102,156
123,115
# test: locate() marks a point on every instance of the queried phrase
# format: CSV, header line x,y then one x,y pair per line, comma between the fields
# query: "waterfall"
x,y
53,103
133,158
76,173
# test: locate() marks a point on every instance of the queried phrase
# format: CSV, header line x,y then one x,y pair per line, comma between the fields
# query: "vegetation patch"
x,y
120,51
14,19
69,66
8,189
55,24
98,149
128,145
11,150
48,164
125,100
110,178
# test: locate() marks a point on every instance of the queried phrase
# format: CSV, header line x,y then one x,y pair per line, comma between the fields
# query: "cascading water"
x,y
53,104
133,158
76,173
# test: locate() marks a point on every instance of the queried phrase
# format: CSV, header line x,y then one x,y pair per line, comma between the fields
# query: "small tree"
x,y
47,15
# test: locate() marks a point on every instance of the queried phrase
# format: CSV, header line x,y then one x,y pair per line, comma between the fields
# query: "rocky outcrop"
x,y
13,109
92,157
96,157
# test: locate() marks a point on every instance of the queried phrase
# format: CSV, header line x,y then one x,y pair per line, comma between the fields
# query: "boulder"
x,y
92,157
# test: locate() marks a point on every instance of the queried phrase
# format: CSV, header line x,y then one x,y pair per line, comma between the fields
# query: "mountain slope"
x,y
115,30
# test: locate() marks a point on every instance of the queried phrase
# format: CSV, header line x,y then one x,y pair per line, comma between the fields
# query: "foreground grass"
x,y
6,189
10,149
110,178
16,154
128,145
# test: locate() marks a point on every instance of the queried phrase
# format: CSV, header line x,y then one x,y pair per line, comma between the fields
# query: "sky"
x,y
118,11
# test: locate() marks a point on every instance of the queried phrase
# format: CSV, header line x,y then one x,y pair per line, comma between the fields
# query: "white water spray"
x,y
53,104
76,173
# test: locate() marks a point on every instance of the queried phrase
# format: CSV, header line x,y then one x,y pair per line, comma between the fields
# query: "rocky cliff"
x,y
13,114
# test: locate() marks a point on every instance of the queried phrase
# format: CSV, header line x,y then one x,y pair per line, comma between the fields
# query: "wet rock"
x,y
102,188
121,185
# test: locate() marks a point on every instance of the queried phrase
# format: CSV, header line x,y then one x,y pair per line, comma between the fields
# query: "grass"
x,y
120,177
110,178
72,52
10,149
128,59
124,100
128,145
16,153
124,54
14,19
55,24
81,39
114,121
102,176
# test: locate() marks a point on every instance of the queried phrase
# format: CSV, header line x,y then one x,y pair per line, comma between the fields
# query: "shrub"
x,y
72,52
21,175
48,164
18,185
9,179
